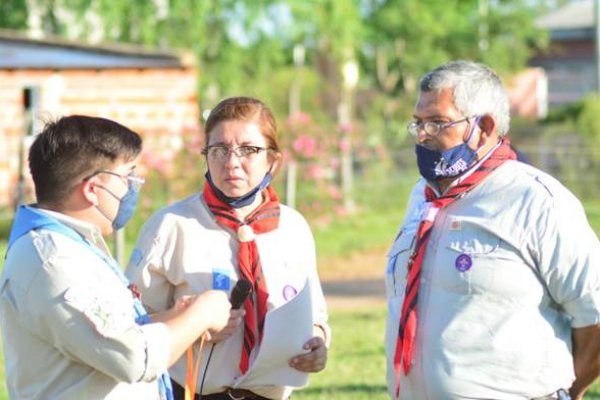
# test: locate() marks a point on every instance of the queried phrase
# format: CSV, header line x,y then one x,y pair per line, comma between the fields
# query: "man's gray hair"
x,y
477,90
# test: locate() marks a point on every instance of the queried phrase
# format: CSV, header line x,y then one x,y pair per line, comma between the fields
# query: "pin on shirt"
x,y
463,262
289,292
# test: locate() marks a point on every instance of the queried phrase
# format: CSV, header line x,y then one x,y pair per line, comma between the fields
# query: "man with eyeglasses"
x,y
493,283
72,325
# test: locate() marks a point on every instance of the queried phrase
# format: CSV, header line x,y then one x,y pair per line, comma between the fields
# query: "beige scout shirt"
x,y
68,324
181,251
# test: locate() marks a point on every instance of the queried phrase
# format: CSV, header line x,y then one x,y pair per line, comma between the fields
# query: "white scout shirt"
x,y
182,250
68,324
510,268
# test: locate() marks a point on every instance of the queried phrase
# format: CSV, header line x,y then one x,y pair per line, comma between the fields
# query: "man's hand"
x,y
586,359
235,318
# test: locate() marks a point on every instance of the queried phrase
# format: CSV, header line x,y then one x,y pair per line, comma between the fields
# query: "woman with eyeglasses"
x,y
234,230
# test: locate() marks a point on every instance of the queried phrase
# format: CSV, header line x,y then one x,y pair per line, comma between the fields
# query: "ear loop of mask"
x,y
471,134
98,206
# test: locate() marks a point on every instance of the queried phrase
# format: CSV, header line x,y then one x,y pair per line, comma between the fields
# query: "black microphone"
x,y
240,293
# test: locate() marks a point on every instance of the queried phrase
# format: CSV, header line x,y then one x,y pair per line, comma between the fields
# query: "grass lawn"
x,y
356,365
593,214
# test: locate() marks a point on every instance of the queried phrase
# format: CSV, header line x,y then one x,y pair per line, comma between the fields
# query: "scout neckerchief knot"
x,y
29,218
407,328
264,219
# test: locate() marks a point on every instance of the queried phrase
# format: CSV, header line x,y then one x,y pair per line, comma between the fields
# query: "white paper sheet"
x,y
286,330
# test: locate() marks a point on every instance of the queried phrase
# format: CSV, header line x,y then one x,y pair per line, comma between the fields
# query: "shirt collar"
x,y
88,230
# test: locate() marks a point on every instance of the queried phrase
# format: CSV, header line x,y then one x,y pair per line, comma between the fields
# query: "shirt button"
x,y
413,362
423,280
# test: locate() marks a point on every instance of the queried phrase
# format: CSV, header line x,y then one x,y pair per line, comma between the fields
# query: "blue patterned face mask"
x,y
439,164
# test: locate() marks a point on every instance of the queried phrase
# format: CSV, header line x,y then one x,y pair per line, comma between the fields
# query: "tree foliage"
x,y
246,46
13,14
409,37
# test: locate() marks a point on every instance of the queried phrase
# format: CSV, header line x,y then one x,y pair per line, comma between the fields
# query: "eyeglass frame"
x,y
133,180
255,150
413,127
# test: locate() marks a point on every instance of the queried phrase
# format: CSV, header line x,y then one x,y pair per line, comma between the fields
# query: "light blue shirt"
x,y
509,269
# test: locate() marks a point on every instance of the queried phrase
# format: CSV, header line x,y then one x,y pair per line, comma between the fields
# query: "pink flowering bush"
x,y
314,149
174,168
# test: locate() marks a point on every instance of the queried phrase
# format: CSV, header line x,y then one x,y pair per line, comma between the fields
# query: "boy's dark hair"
x,y
73,148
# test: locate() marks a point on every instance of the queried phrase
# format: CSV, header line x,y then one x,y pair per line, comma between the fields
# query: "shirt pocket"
x,y
397,261
472,255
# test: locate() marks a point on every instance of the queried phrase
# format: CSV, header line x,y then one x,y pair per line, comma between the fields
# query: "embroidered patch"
x,y
463,263
107,316
221,280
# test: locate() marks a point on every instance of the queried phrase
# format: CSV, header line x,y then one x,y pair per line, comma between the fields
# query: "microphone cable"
x,y
239,294
210,353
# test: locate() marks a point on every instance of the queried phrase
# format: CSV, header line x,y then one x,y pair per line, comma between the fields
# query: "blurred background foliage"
x,y
341,77
247,46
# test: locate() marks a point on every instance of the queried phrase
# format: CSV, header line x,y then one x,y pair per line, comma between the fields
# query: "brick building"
x,y
153,93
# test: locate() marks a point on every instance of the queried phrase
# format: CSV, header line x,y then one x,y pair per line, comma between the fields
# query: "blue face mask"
x,y
434,165
242,201
127,206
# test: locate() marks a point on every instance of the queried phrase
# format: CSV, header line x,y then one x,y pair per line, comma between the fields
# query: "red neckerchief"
x,y
407,327
264,219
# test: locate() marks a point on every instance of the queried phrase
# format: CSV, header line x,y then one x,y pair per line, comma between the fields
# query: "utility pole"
x,y
295,108
483,25
345,115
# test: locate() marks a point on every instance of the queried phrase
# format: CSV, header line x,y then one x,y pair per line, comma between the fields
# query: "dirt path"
x,y
354,281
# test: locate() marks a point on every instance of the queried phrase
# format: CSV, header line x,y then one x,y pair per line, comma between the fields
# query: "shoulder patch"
x,y
107,316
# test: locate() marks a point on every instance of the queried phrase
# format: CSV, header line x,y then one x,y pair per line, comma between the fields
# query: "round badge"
x,y
463,263
289,292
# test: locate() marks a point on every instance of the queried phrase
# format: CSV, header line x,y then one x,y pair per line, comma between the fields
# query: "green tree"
x,y
13,14
245,46
409,37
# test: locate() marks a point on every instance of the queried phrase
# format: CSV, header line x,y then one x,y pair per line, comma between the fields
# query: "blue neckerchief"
x,y
29,218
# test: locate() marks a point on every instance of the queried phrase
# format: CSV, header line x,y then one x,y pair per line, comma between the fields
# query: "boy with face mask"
x,y
72,326
493,283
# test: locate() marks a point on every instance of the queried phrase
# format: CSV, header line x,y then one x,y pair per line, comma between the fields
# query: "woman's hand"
x,y
313,361
235,318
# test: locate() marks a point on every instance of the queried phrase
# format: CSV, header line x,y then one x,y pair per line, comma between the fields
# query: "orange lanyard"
x,y
192,371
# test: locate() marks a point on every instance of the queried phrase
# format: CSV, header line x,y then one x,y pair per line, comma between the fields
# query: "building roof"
x,y
574,15
20,52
